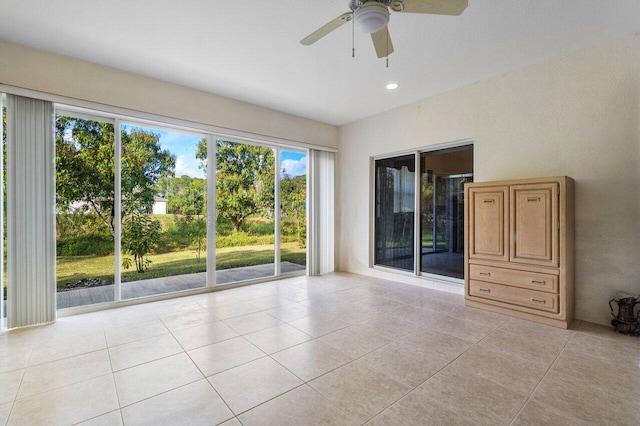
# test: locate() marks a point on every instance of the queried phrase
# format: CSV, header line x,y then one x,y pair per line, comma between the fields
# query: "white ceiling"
x,y
249,49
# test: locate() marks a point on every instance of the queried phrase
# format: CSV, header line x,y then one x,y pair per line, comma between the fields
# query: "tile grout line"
x,y
542,378
113,377
24,373
435,373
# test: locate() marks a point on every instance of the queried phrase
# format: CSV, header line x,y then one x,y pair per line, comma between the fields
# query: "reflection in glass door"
x,y
442,177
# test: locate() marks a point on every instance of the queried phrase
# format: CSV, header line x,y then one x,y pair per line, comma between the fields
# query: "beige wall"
x,y
576,115
50,73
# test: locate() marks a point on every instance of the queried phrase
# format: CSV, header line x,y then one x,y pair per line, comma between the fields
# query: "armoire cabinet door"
x,y
534,224
488,223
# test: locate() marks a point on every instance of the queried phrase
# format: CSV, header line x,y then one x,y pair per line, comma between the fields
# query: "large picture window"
x,y
132,207
439,234
118,207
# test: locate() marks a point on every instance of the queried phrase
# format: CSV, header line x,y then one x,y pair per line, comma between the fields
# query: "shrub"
x,y
85,244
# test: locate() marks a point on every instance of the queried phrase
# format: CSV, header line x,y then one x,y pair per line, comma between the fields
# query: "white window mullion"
x,y
211,211
276,210
117,205
416,218
307,211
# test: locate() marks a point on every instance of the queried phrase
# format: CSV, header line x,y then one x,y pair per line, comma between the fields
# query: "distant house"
x,y
159,205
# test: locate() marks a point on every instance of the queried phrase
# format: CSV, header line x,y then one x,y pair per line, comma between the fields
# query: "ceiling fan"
x,y
372,17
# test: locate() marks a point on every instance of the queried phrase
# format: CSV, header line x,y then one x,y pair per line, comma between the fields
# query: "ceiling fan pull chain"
x,y
353,37
387,47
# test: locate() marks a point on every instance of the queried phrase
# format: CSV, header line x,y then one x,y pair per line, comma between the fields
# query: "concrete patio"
x,y
149,287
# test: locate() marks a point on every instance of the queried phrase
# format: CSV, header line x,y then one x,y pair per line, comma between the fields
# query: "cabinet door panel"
x,y
534,224
488,236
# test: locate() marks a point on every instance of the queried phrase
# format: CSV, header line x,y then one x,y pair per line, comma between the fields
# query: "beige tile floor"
x,y
339,349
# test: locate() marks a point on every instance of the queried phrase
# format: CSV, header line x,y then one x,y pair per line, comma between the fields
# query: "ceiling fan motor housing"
x,y
371,17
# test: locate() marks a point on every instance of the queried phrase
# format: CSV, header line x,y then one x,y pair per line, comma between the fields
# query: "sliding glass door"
x,y
85,210
146,190
439,235
394,212
163,211
293,211
245,207
442,177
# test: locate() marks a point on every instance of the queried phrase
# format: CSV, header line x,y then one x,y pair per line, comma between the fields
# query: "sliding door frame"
x,y
417,234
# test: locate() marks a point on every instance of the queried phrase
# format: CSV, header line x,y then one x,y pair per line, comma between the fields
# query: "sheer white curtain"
x,y
31,290
322,212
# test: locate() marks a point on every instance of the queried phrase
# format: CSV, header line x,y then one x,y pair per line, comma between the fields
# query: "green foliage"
x,y
293,195
195,229
84,245
186,195
244,180
85,168
140,232
239,239
81,234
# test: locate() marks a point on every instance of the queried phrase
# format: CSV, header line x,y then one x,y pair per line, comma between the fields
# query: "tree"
x,y
85,168
140,232
186,194
293,196
244,180
195,228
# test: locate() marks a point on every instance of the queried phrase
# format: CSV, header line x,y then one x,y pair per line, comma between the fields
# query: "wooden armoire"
x,y
519,248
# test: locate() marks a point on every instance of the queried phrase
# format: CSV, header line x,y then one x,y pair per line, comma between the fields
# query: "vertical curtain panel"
x,y
31,289
322,212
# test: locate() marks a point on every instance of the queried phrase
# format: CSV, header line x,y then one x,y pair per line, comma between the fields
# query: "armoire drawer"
x,y
513,295
524,279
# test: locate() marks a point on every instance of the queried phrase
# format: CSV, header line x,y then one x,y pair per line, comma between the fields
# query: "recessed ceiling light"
x,y
392,86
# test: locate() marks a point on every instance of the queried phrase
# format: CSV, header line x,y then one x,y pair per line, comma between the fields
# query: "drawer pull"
x,y
485,274
534,300
488,201
538,282
484,290
536,199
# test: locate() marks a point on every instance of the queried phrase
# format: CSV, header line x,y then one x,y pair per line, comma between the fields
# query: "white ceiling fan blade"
x,y
382,42
437,7
327,28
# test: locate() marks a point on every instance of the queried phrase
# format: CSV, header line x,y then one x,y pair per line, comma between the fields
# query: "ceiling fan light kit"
x,y
371,17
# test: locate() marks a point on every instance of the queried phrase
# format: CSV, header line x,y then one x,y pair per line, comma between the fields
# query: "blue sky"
x,y
294,163
184,148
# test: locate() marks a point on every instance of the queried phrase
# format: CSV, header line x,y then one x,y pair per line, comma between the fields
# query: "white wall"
x,y
576,115
34,69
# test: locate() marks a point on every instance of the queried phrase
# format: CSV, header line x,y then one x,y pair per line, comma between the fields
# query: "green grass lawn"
x,y
74,268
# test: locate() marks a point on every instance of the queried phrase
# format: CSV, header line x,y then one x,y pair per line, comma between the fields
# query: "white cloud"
x,y
187,165
294,167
